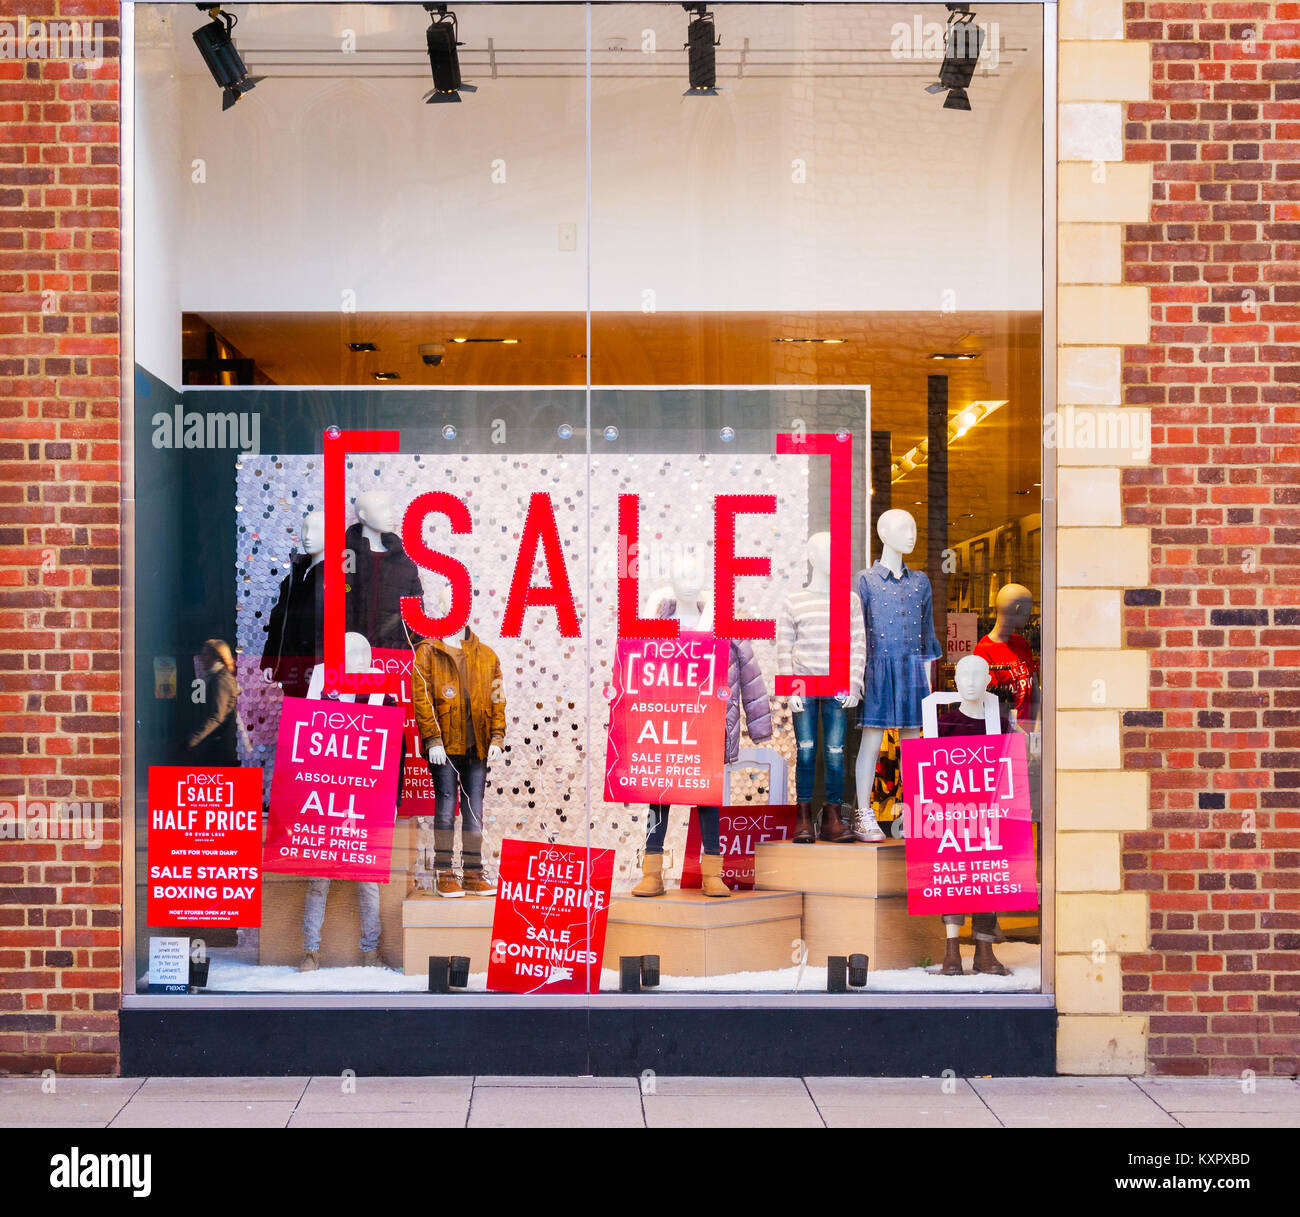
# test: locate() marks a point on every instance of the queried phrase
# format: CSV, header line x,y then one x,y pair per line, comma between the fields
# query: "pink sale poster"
x,y
667,718
969,833
417,781
334,791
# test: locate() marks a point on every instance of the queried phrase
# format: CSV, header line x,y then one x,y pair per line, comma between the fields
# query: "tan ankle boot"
x,y
711,876
952,959
986,963
652,876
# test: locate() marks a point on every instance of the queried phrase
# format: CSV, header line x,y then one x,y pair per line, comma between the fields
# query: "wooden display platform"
x,y
854,899
283,897
434,925
856,869
697,935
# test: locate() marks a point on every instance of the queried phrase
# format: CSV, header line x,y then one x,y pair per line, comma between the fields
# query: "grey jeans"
x,y
313,914
984,926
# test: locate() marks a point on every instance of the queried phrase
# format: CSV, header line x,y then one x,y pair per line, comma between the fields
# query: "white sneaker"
x,y
865,827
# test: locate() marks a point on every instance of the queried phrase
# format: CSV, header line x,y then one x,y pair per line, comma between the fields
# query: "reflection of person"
x,y
745,690
294,633
356,659
803,647
898,618
967,717
460,710
212,742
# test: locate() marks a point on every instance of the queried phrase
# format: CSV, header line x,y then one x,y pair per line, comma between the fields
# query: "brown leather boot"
x,y
803,825
986,962
952,959
834,828
711,883
652,876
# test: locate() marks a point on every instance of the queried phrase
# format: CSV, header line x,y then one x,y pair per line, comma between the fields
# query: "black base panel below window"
x,y
721,1042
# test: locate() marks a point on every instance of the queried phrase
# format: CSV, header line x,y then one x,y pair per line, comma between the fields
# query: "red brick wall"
x,y
60,621
1221,256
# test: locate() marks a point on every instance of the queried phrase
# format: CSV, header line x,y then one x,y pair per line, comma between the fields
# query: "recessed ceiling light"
x,y
362,347
505,341
385,376
955,355
830,342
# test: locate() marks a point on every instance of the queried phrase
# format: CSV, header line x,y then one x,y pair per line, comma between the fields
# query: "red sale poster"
x,y
334,791
969,833
739,830
417,781
667,718
205,846
548,929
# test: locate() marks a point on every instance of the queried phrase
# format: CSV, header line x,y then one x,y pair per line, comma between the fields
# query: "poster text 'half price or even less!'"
x,y
969,830
548,928
205,846
667,718
334,790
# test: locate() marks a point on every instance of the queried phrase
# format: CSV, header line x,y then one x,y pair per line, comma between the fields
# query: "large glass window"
x,y
573,448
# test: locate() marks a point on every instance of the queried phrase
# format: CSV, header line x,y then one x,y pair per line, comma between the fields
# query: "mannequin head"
x,y
312,536
819,553
1014,605
356,653
689,578
375,511
972,677
897,529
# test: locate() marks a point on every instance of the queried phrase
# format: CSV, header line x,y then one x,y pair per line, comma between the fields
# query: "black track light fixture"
x,y
444,60
218,50
962,42
701,44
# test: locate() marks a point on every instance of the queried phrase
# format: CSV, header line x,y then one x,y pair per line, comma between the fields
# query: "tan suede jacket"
x,y
436,696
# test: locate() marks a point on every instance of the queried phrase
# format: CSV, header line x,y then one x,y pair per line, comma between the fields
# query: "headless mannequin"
x,y
833,827
453,642
972,681
357,659
692,613
897,532
312,541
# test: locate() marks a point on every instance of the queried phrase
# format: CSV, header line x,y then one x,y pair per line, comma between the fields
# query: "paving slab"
x,y
666,1085
1237,1119
555,1107
1070,1102
379,1119
842,1091
221,1090
191,1114
328,1094
528,1083
1222,1094
730,1111
910,1117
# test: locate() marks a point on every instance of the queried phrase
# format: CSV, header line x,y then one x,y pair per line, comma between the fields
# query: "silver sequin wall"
x,y
539,790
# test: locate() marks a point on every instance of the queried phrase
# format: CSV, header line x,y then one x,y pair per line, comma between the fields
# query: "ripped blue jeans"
x,y
834,725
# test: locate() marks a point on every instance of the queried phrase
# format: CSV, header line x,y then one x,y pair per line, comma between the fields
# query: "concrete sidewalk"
x,y
652,1102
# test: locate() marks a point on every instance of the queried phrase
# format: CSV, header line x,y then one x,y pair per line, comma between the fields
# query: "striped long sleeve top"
x,y
803,637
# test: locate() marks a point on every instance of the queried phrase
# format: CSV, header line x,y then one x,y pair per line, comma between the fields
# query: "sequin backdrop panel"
x,y
539,789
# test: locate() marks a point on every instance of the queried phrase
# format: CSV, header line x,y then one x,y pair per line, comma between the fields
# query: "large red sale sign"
x,y
548,929
417,781
667,719
969,832
739,830
205,846
334,793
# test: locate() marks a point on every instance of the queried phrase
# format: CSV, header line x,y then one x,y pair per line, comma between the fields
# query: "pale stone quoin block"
x,y
1102,315
1087,862
1101,1045
1090,131
1089,253
1095,923
1100,436
1085,987
1103,557
1088,496
1103,192
1086,19
1088,376
1104,71
1118,800
1087,739
1115,680
1088,617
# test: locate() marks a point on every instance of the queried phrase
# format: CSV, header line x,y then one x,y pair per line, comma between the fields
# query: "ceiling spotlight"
x,y
955,355
701,57
362,348
218,50
444,61
385,376
962,43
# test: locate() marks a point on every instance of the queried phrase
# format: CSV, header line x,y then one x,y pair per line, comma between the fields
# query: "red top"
x,y
1012,668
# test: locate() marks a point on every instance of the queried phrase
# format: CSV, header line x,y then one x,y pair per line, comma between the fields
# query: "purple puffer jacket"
x,y
745,681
